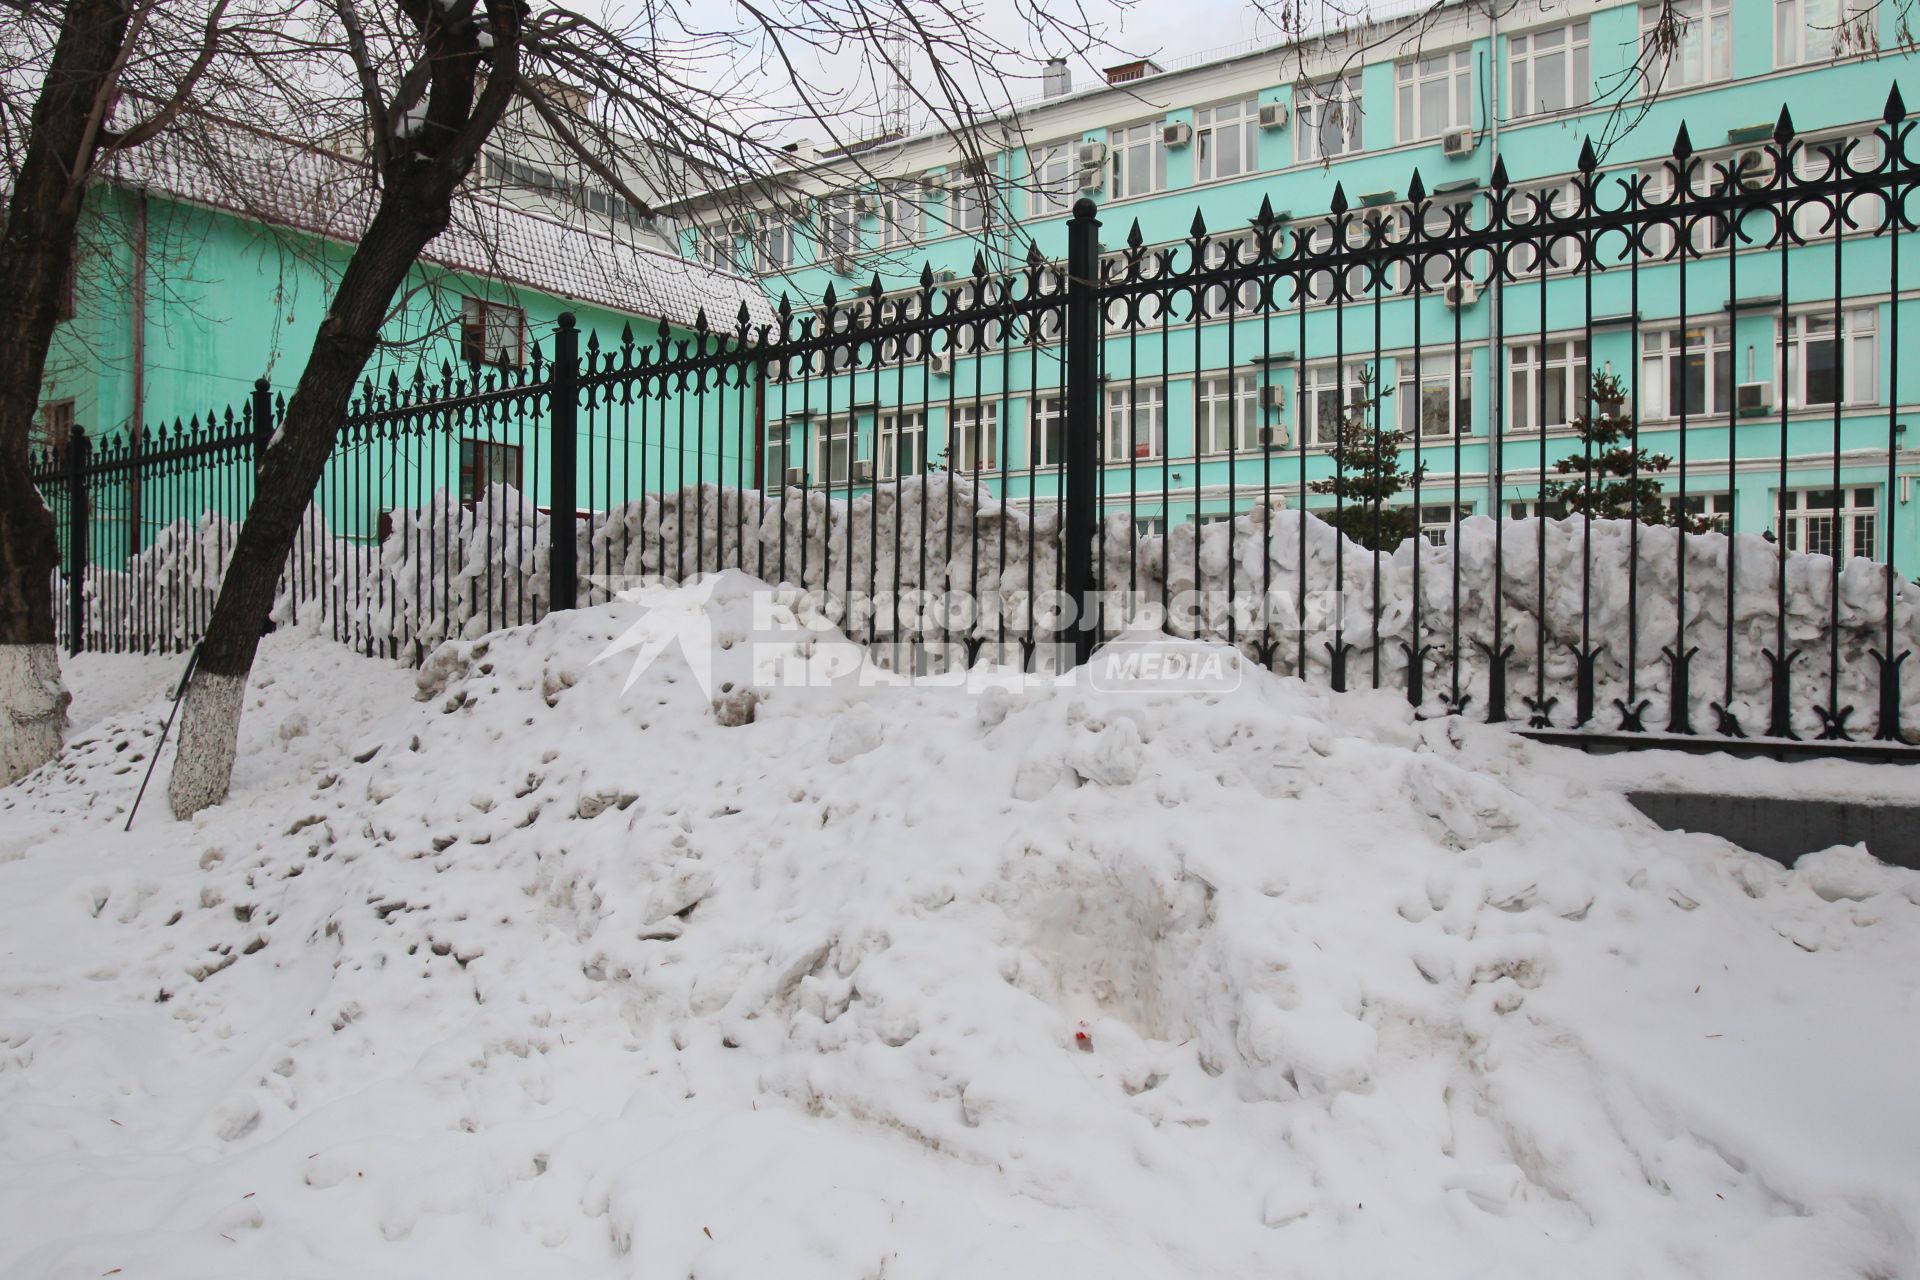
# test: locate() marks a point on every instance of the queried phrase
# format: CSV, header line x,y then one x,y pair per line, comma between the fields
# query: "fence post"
x,y
1083,422
77,449
563,573
262,421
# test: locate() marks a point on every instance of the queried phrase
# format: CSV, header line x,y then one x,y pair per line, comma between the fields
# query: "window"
x,y
492,333
1815,162
716,249
774,463
903,444
1320,407
1823,370
1326,119
1538,206
1435,398
1219,299
839,225
55,425
1437,522
484,463
1715,508
1054,181
1136,421
1438,268
1705,232
967,202
974,436
1436,94
1686,371
903,217
1553,509
1048,446
1226,140
832,460
1819,30
1827,522
1547,71
776,245
1139,160
1230,412
1320,284
1548,385
1687,42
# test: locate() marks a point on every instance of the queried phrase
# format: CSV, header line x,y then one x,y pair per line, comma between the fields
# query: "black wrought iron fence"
x,y
1618,453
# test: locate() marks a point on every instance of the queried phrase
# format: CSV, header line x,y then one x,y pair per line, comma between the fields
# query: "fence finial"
x,y
1683,144
1499,178
1339,202
1896,106
1588,160
1416,188
1783,127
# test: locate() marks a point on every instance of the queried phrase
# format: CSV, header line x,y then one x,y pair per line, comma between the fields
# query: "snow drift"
x,y
451,570
521,976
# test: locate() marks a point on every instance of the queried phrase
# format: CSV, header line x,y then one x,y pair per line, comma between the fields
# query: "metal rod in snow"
x,y
193,660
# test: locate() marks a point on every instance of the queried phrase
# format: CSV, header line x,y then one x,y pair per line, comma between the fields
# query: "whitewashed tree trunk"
x,y
33,708
209,735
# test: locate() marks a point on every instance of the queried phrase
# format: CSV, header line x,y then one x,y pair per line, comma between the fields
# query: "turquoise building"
x,y
1784,368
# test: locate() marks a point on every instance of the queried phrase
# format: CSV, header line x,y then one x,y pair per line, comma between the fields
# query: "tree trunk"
x,y
35,251
409,215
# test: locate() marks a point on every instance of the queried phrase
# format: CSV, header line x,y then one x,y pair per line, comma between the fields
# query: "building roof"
x,y
311,189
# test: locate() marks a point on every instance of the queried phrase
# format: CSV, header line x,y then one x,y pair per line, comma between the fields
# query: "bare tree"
x,y
69,72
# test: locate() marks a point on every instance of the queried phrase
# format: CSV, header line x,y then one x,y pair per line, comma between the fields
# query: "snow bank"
x,y
458,571
534,977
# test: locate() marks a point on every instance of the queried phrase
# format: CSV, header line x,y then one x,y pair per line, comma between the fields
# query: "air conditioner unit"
x,y
1459,142
862,470
1273,396
866,204
796,477
1092,155
1176,133
1460,293
842,264
1273,435
1273,115
1755,168
945,275
1091,179
1752,398
940,363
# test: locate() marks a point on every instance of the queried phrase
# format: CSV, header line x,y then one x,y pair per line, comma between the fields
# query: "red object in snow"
x,y
1083,1040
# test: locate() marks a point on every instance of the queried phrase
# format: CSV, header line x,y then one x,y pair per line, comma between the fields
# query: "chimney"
x,y
1056,81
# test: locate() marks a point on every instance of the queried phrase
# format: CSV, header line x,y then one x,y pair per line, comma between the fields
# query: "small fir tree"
x,y
1612,477
1368,475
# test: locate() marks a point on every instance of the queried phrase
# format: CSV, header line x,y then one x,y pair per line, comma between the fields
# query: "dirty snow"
x,y
501,971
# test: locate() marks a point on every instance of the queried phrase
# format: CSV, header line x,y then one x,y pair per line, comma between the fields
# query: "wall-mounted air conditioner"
x,y
862,470
842,264
1752,398
1273,436
866,204
1460,293
1459,142
1755,168
1092,155
1273,115
940,363
796,477
1273,396
1176,133
945,275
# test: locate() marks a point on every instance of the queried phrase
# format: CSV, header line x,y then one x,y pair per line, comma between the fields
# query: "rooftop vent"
x,y
1056,81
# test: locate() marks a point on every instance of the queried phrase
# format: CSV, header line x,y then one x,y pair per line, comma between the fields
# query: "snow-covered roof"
x,y
311,189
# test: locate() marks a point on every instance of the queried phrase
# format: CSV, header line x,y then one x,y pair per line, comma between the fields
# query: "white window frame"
x,y
1820,31
776,244
903,215
1046,416
1704,51
1855,522
1134,411
1563,252
831,460
714,247
1660,349
1530,403
1857,349
1327,110
1708,234
1320,283
1219,410
1438,519
1452,71
1438,220
1128,149
1555,59
773,461
839,226
1716,506
1435,372
1813,220
1313,392
1054,183
973,436
1245,296
502,330
1226,140
903,426
969,203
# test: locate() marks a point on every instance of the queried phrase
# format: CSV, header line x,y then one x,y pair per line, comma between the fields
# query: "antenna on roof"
x,y
899,103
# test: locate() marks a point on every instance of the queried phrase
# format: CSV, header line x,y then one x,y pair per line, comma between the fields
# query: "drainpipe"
x,y
137,417
1496,398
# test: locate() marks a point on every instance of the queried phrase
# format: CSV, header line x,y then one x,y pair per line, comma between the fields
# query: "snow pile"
x,y
1279,583
534,977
